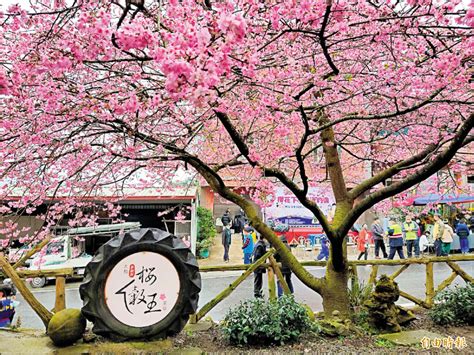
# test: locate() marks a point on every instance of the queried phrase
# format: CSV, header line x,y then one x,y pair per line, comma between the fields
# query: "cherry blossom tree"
x,y
345,94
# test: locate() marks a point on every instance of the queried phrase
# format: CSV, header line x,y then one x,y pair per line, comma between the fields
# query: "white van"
x,y
74,249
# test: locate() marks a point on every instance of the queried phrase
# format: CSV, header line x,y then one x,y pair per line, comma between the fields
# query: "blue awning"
x,y
435,198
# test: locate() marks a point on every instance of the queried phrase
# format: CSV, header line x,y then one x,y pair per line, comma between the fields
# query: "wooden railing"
x,y
273,268
60,282
17,275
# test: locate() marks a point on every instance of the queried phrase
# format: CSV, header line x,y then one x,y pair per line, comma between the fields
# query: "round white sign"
x,y
142,289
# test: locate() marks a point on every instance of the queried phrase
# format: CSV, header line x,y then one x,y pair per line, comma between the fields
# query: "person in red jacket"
x,y
363,242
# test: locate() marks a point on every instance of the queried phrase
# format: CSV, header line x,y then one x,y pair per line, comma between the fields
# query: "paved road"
x,y
411,280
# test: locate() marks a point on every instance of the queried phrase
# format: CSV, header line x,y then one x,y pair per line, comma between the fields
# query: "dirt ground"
x,y
212,341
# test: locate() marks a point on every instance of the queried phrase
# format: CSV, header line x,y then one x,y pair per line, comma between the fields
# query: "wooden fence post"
x,y
446,282
354,276
228,290
271,284
373,275
60,302
429,284
399,271
279,275
456,268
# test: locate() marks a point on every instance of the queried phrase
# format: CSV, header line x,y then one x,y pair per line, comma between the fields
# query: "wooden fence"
x,y
59,274
273,268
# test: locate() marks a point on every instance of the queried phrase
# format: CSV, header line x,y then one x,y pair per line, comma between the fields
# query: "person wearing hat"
x,y
259,250
247,245
285,269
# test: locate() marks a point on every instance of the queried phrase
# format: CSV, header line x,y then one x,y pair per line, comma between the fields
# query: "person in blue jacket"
x,y
247,246
463,232
7,305
324,253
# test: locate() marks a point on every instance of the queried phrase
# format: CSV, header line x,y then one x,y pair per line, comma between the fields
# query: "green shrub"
x,y
454,306
260,322
359,293
206,230
204,244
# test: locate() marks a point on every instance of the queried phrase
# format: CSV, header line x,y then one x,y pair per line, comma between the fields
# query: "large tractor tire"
x,y
141,285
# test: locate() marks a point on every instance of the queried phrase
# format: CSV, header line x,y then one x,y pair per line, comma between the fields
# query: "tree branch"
x,y
271,172
461,138
378,117
322,41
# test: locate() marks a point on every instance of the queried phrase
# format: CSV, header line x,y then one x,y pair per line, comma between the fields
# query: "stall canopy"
x,y
435,198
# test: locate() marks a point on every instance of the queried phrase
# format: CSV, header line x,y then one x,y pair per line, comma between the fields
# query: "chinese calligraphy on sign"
x,y
142,289
458,343
134,291
286,205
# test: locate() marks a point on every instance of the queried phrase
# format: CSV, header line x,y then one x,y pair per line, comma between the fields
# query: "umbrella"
x,y
435,198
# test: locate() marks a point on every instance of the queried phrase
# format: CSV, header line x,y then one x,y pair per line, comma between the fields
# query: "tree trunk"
x,y
335,292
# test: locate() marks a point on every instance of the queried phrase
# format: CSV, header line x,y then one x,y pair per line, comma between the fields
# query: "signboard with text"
x,y
140,285
142,289
287,209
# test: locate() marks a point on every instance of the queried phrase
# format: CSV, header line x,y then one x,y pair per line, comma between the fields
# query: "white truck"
x,y
74,249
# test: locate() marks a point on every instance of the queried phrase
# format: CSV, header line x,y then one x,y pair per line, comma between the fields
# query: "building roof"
x,y
176,194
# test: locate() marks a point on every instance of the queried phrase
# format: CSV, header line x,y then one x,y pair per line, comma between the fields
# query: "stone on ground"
x,y
410,337
201,326
335,326
384,314
66,327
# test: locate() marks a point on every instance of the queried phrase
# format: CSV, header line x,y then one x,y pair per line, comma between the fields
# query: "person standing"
x,y
377,232
259,251
285,269
395,236
239,222
226,241
226,218
438,231
324,252
410,229
247,246
363,242
446,239
463,232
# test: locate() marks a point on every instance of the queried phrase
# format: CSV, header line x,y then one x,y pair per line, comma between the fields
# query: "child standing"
x,y
247,246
